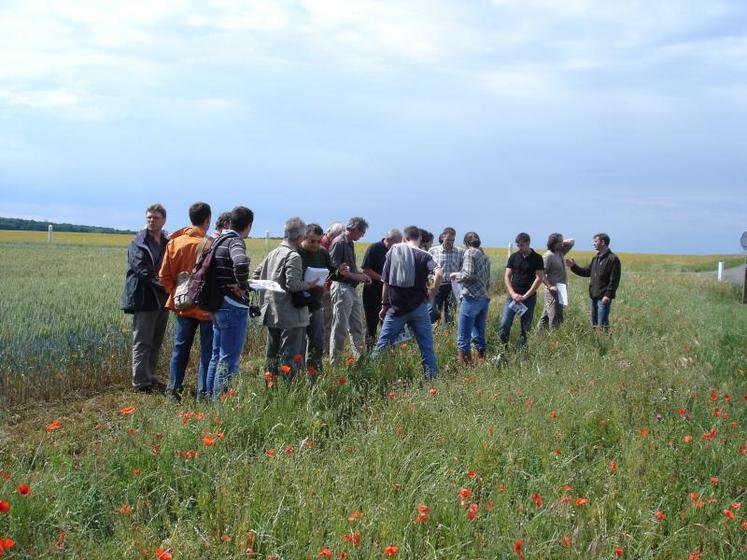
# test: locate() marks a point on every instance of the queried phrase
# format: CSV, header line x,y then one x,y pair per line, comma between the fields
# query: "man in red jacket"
x,y
181,254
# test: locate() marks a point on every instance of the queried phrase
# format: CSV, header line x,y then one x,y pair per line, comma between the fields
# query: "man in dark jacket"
x,y
145,297
604,273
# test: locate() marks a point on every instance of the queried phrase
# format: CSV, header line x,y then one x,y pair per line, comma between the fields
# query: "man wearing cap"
x,y
347,310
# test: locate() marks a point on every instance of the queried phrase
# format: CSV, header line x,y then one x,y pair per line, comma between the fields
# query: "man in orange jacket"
x,y
181,255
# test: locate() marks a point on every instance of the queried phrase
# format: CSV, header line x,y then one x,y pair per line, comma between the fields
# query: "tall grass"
x,y
569,451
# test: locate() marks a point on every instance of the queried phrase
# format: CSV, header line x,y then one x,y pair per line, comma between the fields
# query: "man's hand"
x,y
517,298
360,277
570,261
238,292
344,269
382,312
606,300
453,276
552,288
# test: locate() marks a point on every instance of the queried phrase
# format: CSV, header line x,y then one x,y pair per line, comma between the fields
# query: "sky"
x,y
577,116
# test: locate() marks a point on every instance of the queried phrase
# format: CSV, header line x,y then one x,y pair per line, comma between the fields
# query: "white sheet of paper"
x,y
518,308
265,285
562,294
456,288
318,274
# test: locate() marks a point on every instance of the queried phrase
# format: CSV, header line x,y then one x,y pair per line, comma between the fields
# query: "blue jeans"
x,y
184,334
600,313
229,333
526,321
472,317
419,321
442,299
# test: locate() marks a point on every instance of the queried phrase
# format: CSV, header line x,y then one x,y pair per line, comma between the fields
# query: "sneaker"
x,y
499,359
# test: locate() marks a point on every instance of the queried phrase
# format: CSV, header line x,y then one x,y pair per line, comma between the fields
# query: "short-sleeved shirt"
x,y
524,270
404,300
316,259
375,257
555,271
342,251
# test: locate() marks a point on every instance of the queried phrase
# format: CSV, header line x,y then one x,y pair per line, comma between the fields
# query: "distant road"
x,y
734,274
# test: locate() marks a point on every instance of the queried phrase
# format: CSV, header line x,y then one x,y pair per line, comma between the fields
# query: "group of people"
x,y
408,288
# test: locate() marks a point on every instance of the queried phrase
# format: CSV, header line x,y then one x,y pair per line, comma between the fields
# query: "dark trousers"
x,y
371,308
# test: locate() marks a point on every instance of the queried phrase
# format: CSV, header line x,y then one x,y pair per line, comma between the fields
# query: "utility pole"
x,y
744,282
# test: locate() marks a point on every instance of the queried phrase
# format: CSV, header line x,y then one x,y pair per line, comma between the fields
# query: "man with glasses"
x,y
347,310
524,274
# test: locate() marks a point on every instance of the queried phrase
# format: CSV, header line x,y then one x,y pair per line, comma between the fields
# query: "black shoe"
x,y
158,387
148,389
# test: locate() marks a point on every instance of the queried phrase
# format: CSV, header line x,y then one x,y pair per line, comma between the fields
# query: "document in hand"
x,y
518,308
318,274
456,289
268,285
562,293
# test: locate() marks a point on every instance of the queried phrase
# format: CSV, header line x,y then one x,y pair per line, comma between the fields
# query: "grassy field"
x,y
583,446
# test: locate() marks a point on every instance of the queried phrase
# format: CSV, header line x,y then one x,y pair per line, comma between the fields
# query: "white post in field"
x,y
510,248
267,239
49,233
720,273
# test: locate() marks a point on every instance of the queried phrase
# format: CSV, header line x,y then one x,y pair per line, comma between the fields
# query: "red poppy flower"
x,y
4,506
728,514
136,472
6,544
350,361
24,489
131,431
660,516
127,410
472,474
714,481
736,505
289,450
465,492
537,499
612,465
353,538
473,511
285,368
687,438
231,392
312,371
391,550
553,415
618,551
162,554
54,426
518,544
268,379
643,432
342,380
501,487
125,509
433,391
355,516
270,452
208,440
566,541
582,502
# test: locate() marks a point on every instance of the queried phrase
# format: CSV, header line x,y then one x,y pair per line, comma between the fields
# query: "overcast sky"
x,y
501,116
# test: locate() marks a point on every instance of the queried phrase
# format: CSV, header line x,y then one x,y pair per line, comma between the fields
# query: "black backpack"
x,y
203,285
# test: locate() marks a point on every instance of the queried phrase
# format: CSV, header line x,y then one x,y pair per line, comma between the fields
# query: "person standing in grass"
x,y
604,273
525,272
182,251
335,229
286,323
347,310
144,297
450,259
405,297
315,256
231,320
373,264
474,276
555,273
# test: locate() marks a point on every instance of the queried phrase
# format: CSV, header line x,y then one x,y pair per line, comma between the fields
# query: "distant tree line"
x,y
35,225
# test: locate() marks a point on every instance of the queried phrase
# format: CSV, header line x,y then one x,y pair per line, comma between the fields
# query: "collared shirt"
x,y
475,274
524,270
449,260
342,251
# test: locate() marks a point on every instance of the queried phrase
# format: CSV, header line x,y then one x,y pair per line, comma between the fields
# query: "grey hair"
x,y
394,235
335,229
294,228
358,223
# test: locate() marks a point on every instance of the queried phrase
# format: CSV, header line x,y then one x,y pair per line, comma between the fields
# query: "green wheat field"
x,y
583,446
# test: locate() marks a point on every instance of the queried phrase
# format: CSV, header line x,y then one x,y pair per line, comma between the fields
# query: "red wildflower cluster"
x,y
24,489
391,550
4,506
127,410
537,499
353,538
6,544
55,425
423,511
162,554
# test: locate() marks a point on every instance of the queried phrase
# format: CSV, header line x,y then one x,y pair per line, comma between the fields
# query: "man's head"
x,y
200,214
241,220
223,221
554,242
155,218
471,239
412,235
294,232
356,228
313,238
522,242
393,236
334,229
426,239
601,241
447,237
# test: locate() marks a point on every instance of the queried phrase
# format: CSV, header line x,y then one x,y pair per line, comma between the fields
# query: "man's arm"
x,y
384,301
166,275
466,274
240,264
294,272
584,271
507,282
437,276
611,289
539,276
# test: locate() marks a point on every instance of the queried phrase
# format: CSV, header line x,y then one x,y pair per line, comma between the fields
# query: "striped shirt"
x,y
448,260
475,274
232,267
